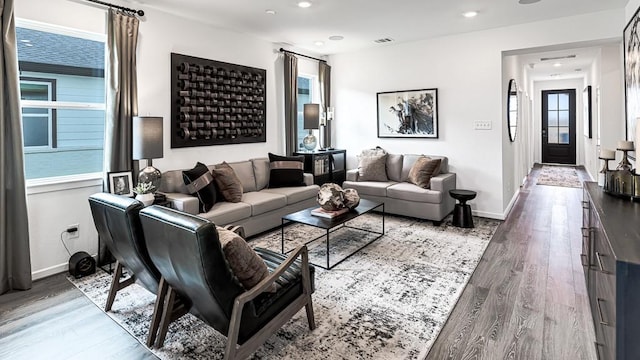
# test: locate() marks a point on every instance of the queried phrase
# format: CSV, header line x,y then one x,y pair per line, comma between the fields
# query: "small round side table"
x,y
462,212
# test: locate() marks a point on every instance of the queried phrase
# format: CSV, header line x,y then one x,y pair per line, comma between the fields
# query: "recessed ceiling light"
x,y
319,43
336,37
28,44
557,65
25,41
470,14
270,12
304,4
527,2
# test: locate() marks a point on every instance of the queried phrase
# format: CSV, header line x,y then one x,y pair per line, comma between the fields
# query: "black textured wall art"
x,y
215,103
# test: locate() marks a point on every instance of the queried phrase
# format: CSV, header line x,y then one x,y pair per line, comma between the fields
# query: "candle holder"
x,y
624,163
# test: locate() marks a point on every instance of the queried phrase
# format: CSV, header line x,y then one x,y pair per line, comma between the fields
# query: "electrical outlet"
x,y
482,125
73,231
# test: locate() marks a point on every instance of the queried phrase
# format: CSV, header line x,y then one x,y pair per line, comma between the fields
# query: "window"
x,y
62,92
558,118
305,96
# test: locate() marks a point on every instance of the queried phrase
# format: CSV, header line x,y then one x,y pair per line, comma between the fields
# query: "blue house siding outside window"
x,y
63,96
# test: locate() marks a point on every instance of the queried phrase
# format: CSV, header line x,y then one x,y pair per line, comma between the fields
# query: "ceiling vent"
x,y
558,58
383,40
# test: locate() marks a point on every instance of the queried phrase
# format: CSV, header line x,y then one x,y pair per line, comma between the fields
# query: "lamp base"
x,y
152,175
309,142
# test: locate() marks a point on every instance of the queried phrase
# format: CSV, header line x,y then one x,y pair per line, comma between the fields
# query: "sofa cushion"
x,y
199,182
223,213
245,263
423,170
261,171
228,182
372,168
286,171
411,192
172,182
394,167
375,188
244,171
297,193
262,202
410,159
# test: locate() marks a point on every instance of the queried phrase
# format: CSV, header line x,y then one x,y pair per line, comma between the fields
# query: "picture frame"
x,y
631,43
408,114
587,117
120,183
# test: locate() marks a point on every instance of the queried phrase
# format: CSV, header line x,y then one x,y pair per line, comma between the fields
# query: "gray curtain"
x,y
122,90
15,262
122,99
291,103
324,75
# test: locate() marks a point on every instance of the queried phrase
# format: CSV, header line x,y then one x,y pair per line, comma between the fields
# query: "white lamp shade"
x,y
147,137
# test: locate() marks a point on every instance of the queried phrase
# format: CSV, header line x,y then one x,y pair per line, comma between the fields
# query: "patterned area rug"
x,y
388,301
559,176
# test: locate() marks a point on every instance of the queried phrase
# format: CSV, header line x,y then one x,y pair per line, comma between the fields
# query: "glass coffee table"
x,y
332,224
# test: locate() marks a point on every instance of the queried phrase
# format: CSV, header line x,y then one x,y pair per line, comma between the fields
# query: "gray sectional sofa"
x,y
404,198
261,208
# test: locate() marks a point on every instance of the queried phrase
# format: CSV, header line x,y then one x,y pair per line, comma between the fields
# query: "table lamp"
x,y
311,115
147,145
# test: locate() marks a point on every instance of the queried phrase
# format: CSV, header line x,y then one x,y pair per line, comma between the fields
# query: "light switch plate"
x,y
482,125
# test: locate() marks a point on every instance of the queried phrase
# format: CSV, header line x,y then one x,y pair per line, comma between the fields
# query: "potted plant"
x,y
144,193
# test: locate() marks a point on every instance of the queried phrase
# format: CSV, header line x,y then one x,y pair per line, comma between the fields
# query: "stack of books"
x,y
328,214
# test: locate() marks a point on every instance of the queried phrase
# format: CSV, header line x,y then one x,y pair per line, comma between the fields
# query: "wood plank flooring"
x,y
526,300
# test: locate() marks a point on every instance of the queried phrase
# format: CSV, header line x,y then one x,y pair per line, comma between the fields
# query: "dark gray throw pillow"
x,y
286,171
200,183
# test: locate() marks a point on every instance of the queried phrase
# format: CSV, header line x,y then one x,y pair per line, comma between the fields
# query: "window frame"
x,y
314,97
65,181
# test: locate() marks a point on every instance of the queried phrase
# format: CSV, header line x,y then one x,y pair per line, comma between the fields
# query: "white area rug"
x,y
388,301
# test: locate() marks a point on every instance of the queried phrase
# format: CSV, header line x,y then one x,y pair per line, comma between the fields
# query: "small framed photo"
x,y
408,114
121,183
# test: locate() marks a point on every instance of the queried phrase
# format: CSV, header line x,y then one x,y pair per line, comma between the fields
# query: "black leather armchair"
x,y
187,252
118,223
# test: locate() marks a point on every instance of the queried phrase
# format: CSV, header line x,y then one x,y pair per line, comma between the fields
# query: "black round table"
x,y
462,212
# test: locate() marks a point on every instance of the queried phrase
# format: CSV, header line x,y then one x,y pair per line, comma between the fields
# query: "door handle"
x,y
599,259
601,318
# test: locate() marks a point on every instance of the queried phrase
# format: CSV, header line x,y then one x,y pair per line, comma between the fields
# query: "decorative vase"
x,y
146,199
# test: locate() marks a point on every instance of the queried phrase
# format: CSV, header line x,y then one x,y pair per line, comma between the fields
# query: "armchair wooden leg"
x,y
174,308
157,312
117,285
306,286
166,316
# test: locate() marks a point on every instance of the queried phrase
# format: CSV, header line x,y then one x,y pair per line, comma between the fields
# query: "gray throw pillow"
x,y
372,168
423,170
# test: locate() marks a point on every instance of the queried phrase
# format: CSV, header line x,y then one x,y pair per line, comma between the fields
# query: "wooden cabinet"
x,y
611,260
326,166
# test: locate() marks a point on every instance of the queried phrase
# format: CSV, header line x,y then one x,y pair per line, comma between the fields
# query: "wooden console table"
x,y
611,261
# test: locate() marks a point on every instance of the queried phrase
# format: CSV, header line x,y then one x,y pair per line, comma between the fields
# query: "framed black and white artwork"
x,y
120,183
587,112
631,52
408,114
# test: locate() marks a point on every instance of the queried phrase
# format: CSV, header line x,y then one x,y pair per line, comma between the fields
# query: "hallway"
x,y
527,298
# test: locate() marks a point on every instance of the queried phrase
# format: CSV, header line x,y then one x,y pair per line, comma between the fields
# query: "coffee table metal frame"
x,y
332,224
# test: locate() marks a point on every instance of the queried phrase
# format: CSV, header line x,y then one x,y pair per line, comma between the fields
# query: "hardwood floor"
x,y
526,300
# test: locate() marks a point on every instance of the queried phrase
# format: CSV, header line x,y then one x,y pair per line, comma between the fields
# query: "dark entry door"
x,y
559,126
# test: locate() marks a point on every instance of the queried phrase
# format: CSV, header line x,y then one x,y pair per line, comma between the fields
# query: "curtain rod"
x,y
134,11
303,55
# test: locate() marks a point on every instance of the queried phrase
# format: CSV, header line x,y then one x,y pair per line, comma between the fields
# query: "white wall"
x,y
467,70
160,35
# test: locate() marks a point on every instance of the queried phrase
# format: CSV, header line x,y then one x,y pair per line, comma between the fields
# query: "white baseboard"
x,y
498,216
52,270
